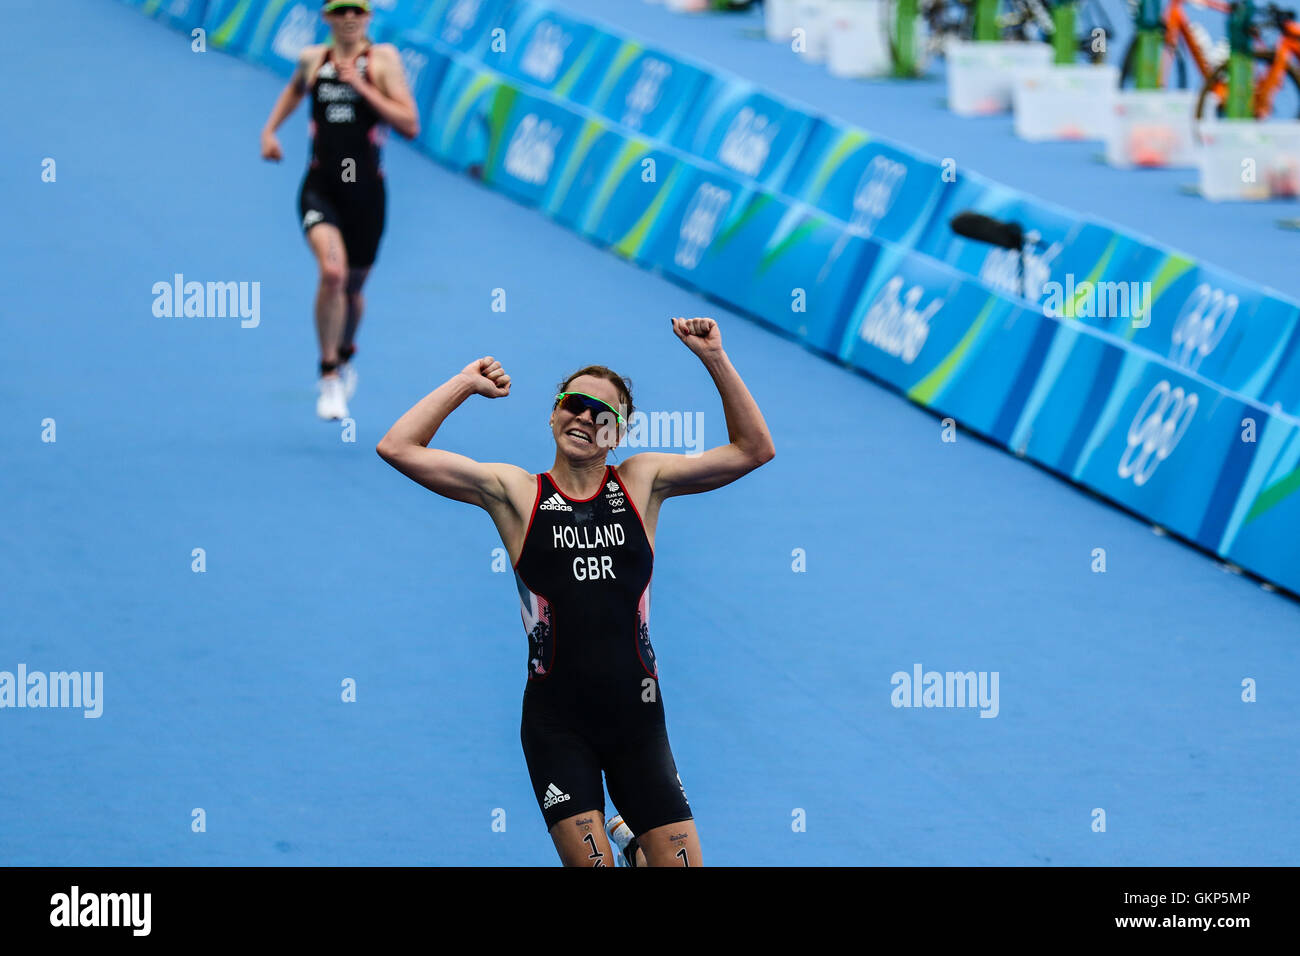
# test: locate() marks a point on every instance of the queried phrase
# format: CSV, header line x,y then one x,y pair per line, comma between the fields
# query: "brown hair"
x,y
624,385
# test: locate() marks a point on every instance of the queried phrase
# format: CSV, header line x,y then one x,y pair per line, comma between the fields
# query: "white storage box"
x,y
981,76
812,16
1249,159
1152,128
1074,101
858,44
780,17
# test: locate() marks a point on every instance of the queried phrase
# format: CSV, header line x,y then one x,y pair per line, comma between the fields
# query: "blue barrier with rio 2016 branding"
x,y
1162,383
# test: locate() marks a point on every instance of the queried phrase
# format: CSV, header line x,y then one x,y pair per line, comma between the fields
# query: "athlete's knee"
x,y
333,277
356,279
356,304
676,844
581,840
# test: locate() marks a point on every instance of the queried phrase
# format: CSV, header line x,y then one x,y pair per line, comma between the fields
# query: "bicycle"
x,y
1032,20
944,20
1024,20
1207,55
1282,60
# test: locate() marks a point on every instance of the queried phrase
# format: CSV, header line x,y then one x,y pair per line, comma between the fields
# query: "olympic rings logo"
x,y
1201,326
1158,426
876,191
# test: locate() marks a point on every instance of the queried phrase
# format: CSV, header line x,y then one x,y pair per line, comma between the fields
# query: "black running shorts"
x,y
355,209
565,763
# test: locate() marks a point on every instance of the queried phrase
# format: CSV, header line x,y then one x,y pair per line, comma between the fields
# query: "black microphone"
x,y
982,228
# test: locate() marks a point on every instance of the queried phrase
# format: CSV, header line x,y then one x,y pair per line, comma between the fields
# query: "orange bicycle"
x,y
1195,44
1276,64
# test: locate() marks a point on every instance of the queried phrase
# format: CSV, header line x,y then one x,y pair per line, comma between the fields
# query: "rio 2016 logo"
x,y
898,325
460,19
1159,425
748,141
531,152
545,53
646,91
700,224
296,31
875,192
413,63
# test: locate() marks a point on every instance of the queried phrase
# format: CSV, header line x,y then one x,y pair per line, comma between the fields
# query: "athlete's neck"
x,y
578,481
348,51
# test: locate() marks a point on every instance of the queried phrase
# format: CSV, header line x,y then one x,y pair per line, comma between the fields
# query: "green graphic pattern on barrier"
x,y
928,389
226,32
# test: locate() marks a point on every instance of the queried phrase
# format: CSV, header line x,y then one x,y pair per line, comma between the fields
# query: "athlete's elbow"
x,y
763,454
389,449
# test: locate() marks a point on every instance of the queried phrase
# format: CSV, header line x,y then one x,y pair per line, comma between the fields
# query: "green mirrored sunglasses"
x,y
578,402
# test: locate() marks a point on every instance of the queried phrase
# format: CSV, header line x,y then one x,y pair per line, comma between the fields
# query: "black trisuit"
x,y
592,701
350,196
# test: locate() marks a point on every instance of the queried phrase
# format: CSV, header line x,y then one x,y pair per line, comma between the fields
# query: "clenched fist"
x,y
701,336
487,377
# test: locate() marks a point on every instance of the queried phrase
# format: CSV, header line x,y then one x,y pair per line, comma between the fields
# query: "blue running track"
x,y
1119,691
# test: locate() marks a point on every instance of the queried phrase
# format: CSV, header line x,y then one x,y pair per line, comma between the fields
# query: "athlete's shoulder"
x,y
310,59
385,55
638,472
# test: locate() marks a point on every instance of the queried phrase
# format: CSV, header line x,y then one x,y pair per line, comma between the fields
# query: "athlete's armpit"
x,y
300,81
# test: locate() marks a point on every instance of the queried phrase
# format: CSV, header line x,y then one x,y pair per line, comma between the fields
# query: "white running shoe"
x,y
620,834
348,375
332,404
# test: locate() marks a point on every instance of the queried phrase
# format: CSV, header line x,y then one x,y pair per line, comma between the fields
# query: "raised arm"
x,y
449,474
750,442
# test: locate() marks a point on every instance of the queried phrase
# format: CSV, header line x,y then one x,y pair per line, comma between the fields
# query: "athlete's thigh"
x,y
580,840
362,212
565,772
674,844
327,246
641,776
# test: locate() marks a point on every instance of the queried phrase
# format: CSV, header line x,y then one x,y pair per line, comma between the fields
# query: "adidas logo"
x,y
554,503
553,796
313,216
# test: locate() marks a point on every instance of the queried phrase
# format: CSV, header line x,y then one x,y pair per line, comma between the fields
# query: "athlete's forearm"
x,y
746,428
400,116
422,421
